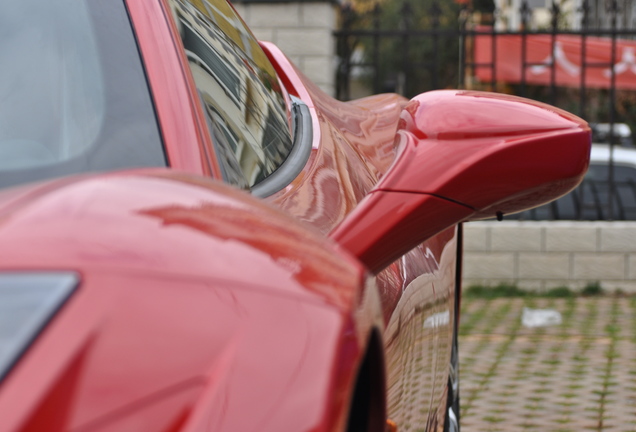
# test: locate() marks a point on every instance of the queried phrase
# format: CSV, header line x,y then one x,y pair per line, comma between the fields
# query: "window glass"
x,y
73,91
240,93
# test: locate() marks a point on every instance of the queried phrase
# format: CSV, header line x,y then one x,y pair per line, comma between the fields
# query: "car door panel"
x,y
417,290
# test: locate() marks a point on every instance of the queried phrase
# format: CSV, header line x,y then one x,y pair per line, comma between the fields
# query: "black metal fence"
x,y
400,47
414,46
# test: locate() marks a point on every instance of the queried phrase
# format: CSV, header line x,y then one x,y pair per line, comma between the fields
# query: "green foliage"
x,y
407,63
592,289
486,6
559,292
501,290
511,290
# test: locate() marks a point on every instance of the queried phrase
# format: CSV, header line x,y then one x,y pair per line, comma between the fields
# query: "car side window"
x,y
245,107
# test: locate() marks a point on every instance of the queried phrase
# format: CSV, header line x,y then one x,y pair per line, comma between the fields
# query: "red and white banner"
x,y
567,56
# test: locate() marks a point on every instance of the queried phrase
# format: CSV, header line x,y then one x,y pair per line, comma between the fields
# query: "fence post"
x,y
403,75
613,9
585,9
555,11
493,77
343,74
435,12
524,12
463,20
376,48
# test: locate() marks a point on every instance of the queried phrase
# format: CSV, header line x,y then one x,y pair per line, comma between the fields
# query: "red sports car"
x,y
142,290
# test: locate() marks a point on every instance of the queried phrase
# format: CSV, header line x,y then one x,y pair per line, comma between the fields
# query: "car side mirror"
x,y
465,155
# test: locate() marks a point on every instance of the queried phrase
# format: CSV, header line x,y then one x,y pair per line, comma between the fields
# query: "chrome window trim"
x,y
297,158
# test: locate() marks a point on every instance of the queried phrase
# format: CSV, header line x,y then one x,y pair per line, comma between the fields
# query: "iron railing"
x,y
412,49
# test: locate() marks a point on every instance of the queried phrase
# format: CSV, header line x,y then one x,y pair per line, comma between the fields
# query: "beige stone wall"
x,y
303,31
544,255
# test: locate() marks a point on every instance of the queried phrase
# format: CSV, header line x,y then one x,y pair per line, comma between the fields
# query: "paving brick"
x,y
559,238
318,15
631,266
264,34
242,11
618,238
297,60
594,267
520,237
489,265
611,238
549,379
305,42
320,70
534,265
274,15
476,237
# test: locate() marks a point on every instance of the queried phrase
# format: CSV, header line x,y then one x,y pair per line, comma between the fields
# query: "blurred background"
x,y
579,55
548,324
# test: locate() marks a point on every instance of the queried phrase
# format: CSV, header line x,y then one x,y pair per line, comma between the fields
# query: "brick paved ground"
x,y
576,376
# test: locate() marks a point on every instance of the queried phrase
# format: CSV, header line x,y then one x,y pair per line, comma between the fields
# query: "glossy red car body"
x,y
201,308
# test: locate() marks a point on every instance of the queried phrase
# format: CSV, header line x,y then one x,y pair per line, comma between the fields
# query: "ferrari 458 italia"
x,y
194,237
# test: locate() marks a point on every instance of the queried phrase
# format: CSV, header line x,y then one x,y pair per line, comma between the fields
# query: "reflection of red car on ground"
x,y
138,294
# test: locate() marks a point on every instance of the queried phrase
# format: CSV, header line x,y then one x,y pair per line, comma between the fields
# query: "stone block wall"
x,y
544,255
302,30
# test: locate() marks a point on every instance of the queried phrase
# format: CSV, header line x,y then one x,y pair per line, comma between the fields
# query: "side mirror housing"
x,y
465,155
